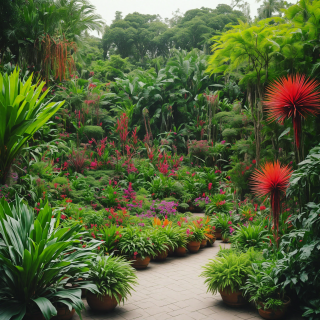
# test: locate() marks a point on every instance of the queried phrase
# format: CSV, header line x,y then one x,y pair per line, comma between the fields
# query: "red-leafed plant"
x,y
272,179
56,56
122,129
293,97
78,160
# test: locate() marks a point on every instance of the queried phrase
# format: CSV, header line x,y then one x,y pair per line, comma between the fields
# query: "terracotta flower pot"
x,y
140,263
193,246
274,314
203,243
217,234
211,242
101,303
180,251
63,313
234,299
170,251
161,256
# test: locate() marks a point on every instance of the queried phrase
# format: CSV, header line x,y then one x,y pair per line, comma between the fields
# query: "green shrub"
x,y
224,116
42,169
229,133
95,132
60,180
142,192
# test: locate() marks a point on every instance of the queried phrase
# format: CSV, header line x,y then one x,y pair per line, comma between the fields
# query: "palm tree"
x,y
48,26
269,7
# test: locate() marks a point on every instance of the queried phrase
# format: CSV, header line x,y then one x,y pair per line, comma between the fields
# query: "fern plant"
x,y
250,236
113,276
227,273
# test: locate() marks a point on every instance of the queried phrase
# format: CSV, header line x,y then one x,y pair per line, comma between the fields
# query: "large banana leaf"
x,y
22,113
35,257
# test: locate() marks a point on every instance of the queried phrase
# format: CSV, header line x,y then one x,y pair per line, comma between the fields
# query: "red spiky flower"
x,y
293,97
272,179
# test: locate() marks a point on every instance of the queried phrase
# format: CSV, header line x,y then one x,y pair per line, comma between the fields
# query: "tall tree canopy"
x,y
138,35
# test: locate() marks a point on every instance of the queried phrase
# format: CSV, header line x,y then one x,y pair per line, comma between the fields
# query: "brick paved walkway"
x,y
173,290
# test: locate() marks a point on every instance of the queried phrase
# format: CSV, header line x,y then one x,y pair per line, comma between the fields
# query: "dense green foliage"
x,y
113,276
35,258
114,140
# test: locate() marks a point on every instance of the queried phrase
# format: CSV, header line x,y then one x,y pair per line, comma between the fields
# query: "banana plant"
x,y
22,112
37,259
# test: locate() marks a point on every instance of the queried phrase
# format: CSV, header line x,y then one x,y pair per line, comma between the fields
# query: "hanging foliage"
x,y
56,56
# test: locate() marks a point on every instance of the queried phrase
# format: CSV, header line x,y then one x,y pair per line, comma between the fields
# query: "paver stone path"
x,y
173,290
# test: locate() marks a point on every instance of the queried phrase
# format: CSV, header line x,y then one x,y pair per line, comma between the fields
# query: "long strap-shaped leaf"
x,y
22,113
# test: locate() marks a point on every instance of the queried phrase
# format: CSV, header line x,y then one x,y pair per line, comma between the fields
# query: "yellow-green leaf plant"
x,y
22,112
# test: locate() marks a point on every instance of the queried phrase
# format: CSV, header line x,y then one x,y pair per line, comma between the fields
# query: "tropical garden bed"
x,y
107,150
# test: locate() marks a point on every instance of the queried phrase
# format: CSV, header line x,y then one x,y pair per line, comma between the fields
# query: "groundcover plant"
x,y
109,146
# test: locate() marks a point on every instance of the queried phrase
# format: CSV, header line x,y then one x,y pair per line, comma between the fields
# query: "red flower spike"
x,y
294,96
272,179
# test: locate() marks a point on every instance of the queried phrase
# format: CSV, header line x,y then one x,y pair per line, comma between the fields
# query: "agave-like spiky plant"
x,y
22,112
293,97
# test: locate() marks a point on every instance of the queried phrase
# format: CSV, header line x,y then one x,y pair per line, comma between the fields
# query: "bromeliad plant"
x,y
22,112
113,276
35,257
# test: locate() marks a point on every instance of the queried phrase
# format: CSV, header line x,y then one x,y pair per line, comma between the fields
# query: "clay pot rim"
x,y
198,242
138,258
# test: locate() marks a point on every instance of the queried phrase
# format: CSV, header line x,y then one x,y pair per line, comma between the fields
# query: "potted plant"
x,y
160,243
250,236
194,237
173,237
110,236
182,241
114,278
266,291
137,246
226,275
223,223
33,253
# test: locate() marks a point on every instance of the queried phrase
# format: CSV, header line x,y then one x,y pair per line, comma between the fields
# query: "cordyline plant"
x,y
22,113
293,97
273,180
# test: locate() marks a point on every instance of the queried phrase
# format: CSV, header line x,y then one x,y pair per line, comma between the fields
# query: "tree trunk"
x,y
255,102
